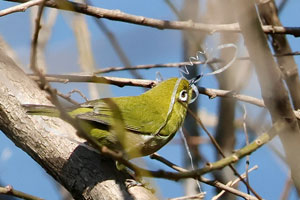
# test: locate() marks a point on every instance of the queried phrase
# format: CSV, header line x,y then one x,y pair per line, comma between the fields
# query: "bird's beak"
x,y
195,80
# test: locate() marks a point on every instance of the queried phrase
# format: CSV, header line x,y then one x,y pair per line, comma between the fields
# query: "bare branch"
x,y
67,97
247,143
222,153
20,8
117,15
195,196
181,64
253,146
34,44
168,65
214,183
232,183
9,190
212,93
121,82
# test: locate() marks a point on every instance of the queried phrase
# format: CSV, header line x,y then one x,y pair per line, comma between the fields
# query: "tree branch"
x,y
272,88
20,8
214,183
121,82
253,146
281,45
9,190
117,15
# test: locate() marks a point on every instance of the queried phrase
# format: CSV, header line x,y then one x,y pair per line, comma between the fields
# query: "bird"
x,y
149,120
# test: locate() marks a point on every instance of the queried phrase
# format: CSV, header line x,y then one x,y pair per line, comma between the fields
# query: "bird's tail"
x,y
44,110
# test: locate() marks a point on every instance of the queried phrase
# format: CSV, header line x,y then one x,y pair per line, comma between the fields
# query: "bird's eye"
x,y
183,96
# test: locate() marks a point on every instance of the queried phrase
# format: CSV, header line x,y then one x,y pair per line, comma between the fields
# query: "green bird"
x,y
150,120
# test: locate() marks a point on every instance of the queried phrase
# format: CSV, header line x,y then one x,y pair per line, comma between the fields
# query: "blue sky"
x,y
143,45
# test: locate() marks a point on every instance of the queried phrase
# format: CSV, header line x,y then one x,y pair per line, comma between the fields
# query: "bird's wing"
x,y
140,115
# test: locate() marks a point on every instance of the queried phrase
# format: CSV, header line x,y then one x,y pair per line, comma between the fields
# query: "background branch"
x,y
273,91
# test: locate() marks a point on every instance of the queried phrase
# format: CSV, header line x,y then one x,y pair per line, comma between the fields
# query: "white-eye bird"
x,y
150,120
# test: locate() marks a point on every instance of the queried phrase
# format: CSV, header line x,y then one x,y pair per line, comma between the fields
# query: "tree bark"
x,y
84,173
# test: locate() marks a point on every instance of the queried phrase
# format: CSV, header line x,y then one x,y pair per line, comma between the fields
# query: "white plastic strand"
x,y
189,155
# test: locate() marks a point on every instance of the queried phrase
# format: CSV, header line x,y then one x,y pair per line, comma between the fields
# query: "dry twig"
x,y
20,8
117,15
9,190
214,183
121,82
222,154
232,183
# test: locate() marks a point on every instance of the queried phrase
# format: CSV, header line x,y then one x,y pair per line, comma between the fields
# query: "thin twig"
x,y
20,8
214,183
253,146
121,82
247,143
180,64
195,196
9,190
221,152
78,92
47,23
212,93
165,65
34,41
117,15
68,98
158,157
232,183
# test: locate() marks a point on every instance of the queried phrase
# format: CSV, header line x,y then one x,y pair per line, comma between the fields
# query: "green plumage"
x,y
150,119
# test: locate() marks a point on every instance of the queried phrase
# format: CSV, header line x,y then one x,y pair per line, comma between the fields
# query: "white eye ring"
x,y
183,96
